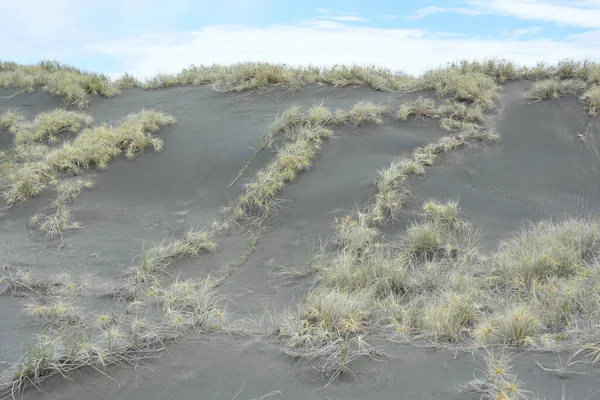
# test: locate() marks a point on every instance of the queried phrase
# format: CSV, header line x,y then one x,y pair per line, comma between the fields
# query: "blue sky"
x,y
149,36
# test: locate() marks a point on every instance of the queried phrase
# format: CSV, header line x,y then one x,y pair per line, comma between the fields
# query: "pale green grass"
x,y
300,135
127,81
47,125
92,148
548,249
543,90
498,380
152,264
54,225
591,100
472,88
73,86
77,339
499,70
69,190
18,281
418,109
10,120
361,113
252,76
571,87
446,212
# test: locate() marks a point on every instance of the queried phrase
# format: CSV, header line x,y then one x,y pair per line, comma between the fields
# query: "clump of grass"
x,y
543,90
472,88
419,108
370,76
354,235
498,381
152,263
499,70
437,211
93,147
548,249
10,120
54,225
325,315
73,86
448,317
48,124
15,281
422,239
127,81
74,89
361,113
55,313
514,325
294,157
571,87
69,190
393,189
591,100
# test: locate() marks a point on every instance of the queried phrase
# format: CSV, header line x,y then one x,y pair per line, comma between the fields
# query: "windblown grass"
x,y
11,120
151,265
48,124
591,100
498,380
92,148
76,339
54,225
418,109
300,135
474,88
19,282
252,76
72,85
538,290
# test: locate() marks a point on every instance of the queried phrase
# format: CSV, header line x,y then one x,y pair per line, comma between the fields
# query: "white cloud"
x,y
584,14
517,33
426,11
409,50
347,18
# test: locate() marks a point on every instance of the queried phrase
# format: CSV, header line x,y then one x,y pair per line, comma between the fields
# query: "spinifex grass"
x,y
48,124
301,134
92,148
77,339
151,265
72,85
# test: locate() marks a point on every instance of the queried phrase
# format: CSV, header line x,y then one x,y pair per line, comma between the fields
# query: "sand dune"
x,y
264,265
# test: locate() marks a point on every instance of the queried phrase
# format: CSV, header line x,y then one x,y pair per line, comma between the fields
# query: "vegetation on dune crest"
x,y
70,84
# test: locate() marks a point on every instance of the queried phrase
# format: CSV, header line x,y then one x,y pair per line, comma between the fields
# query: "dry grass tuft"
x,y
419,109
10,121
591,100
571,87
72,85
75,339
543,90
48,124
93,147
474,88
54,225
498,381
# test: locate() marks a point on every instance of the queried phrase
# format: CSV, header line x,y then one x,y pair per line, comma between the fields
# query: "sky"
x,y
145,37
